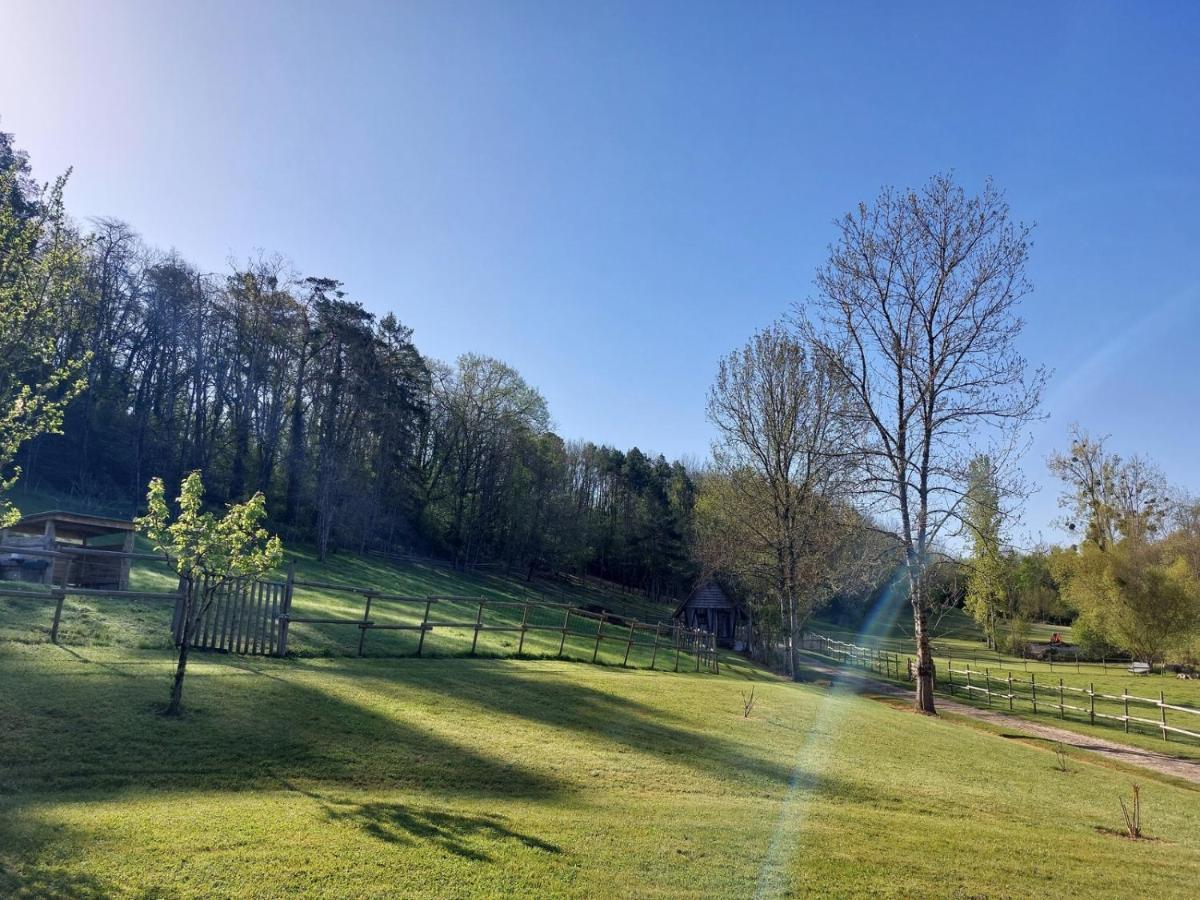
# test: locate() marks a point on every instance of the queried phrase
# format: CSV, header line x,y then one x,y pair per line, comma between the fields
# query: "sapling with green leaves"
x,y
206,551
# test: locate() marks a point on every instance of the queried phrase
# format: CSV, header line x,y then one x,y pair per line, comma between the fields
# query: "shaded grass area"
x,y
393,777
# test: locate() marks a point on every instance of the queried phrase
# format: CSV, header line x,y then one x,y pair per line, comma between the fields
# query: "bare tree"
x,y
780,418
917,316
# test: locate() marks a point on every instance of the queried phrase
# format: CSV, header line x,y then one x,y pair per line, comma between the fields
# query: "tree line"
x,y
289,386
859,439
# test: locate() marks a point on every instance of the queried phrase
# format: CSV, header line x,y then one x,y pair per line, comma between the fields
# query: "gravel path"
x,y
1187,769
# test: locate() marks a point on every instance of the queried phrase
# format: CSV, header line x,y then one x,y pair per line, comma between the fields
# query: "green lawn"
x,y
330,775
454,776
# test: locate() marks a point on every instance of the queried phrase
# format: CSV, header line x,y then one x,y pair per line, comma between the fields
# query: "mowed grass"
x,y
457,777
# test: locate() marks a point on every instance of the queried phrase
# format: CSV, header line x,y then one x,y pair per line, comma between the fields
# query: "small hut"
x,y
710,607
59,547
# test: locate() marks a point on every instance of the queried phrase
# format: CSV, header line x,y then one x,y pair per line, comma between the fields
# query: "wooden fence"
x,y
57,596
1049,695
870,659
245,616
256,617
424,615
1040,696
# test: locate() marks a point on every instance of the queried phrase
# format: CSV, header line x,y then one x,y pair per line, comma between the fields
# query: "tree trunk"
x,y
924,698
190,616
793,643
175,707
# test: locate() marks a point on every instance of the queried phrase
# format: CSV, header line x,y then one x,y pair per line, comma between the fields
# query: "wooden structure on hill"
x,y
710,608
66,548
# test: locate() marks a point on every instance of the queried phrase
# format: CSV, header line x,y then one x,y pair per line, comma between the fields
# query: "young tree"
x,y
207,552
918,319
40,265
781,425
988,592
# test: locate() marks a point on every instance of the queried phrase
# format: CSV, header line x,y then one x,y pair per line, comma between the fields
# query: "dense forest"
x,y
268,381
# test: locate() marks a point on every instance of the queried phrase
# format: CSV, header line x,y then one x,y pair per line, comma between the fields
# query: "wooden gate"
x,y
245,616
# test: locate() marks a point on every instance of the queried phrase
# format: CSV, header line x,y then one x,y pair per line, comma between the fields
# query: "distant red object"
x,y
1056,638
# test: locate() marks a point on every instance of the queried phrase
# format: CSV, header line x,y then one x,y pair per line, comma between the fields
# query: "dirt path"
x,y
1187,769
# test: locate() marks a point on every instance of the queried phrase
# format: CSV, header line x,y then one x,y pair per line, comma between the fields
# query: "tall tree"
x,y
1108,497
41,263
917,316
782,422
988,592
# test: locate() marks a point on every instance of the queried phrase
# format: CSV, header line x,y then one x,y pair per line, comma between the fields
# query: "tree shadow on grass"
x,y
399,824
97,729
24,872
406,824
564,703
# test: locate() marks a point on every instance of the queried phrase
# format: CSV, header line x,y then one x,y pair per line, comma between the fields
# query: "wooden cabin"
x,y
710,608
59,547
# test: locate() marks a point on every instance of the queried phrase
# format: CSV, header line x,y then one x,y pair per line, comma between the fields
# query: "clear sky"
x,y
609,196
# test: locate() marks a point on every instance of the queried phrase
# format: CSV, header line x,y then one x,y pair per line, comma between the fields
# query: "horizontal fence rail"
x,y
1051,695
1040,696
57,596
871,659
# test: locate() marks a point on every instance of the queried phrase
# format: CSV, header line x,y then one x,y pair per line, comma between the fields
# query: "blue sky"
x,y
609,196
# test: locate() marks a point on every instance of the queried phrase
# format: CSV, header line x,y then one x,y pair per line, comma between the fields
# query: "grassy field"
x,y
454,776
335,776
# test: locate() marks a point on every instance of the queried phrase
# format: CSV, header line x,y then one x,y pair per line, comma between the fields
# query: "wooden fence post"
x,y
1010,693
599,636
1125,694
362,629
59,596
716,660
1062,713
478,624
424,626
678,645
1033,689
286,607
566,625
1091,703
987,673
654,653
1162,708
629,644
524,624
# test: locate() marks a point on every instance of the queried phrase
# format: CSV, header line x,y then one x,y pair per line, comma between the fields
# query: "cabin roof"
x,y
709,594
71,524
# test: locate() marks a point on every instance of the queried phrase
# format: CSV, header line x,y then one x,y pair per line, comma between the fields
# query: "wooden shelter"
x,y
59,547
710,608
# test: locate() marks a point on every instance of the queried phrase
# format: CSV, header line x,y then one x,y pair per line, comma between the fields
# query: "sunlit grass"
x,y
455,776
